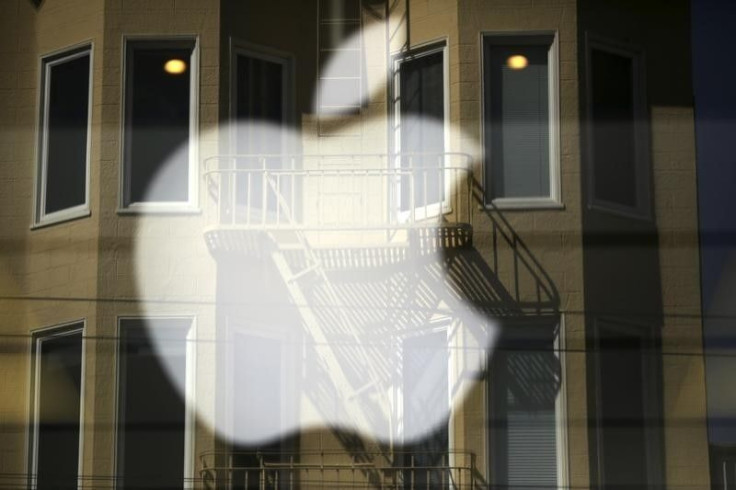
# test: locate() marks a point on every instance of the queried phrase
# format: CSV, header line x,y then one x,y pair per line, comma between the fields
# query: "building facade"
x,y
349,242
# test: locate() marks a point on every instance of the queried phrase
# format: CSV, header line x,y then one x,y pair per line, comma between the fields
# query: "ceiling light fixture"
x,y
175,67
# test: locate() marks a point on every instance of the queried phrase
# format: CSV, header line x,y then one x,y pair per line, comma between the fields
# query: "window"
x,y
340,57
421,111
627,407
617,130
63,178
521,130
525,401
159,150
57,401
151,408
261,105
426,396
258,373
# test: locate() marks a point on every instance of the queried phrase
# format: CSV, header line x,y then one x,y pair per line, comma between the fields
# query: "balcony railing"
x,y
306,470
336,192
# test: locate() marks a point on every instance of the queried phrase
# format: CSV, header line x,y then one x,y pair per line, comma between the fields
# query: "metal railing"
x,y
307,470
346,191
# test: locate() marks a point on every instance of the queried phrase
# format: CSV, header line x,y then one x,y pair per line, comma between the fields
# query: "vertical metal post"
x,y
425,192
412,197
264,191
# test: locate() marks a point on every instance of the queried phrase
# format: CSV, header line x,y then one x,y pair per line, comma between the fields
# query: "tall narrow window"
x,y
64,136
520,120
525,385
57,382
421,131
151,410
340,49
426,396
617,138
627,407
260,106
257,394
160,103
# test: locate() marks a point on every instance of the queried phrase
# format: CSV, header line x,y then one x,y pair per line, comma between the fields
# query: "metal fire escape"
x,y
313,214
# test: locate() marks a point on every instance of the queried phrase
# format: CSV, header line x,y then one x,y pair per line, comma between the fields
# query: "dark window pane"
x,y
260,110
59,392
339,9
259,97
339,35
517,98
158,116
622,419
612,109
152,410
422,106
66,150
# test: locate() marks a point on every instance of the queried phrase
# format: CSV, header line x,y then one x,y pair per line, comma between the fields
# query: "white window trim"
x,y
561,424
554,200
563,464
190,414
643,209
416,52
191,206
48,61
37,337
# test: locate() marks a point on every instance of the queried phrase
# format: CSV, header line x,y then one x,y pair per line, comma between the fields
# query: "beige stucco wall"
x,y
85,269
53,268
683,364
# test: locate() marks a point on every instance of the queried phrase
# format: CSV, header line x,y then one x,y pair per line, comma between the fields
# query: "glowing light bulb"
x,y
175,67
517,62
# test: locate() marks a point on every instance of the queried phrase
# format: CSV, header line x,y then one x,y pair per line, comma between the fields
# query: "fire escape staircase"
x,y
329,358
304,267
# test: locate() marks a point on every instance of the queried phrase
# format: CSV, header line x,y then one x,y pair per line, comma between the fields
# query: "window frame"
x,y
439,326
554,199
239,47
189,397
191,205
559,346
642,138
652,397
37,337
47,62
237,325
336,111
433,210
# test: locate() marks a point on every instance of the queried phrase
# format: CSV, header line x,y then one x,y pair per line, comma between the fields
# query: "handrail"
x,y
338,191
406,470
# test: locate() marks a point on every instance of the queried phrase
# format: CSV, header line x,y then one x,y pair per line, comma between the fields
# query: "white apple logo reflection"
x,y
315,329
